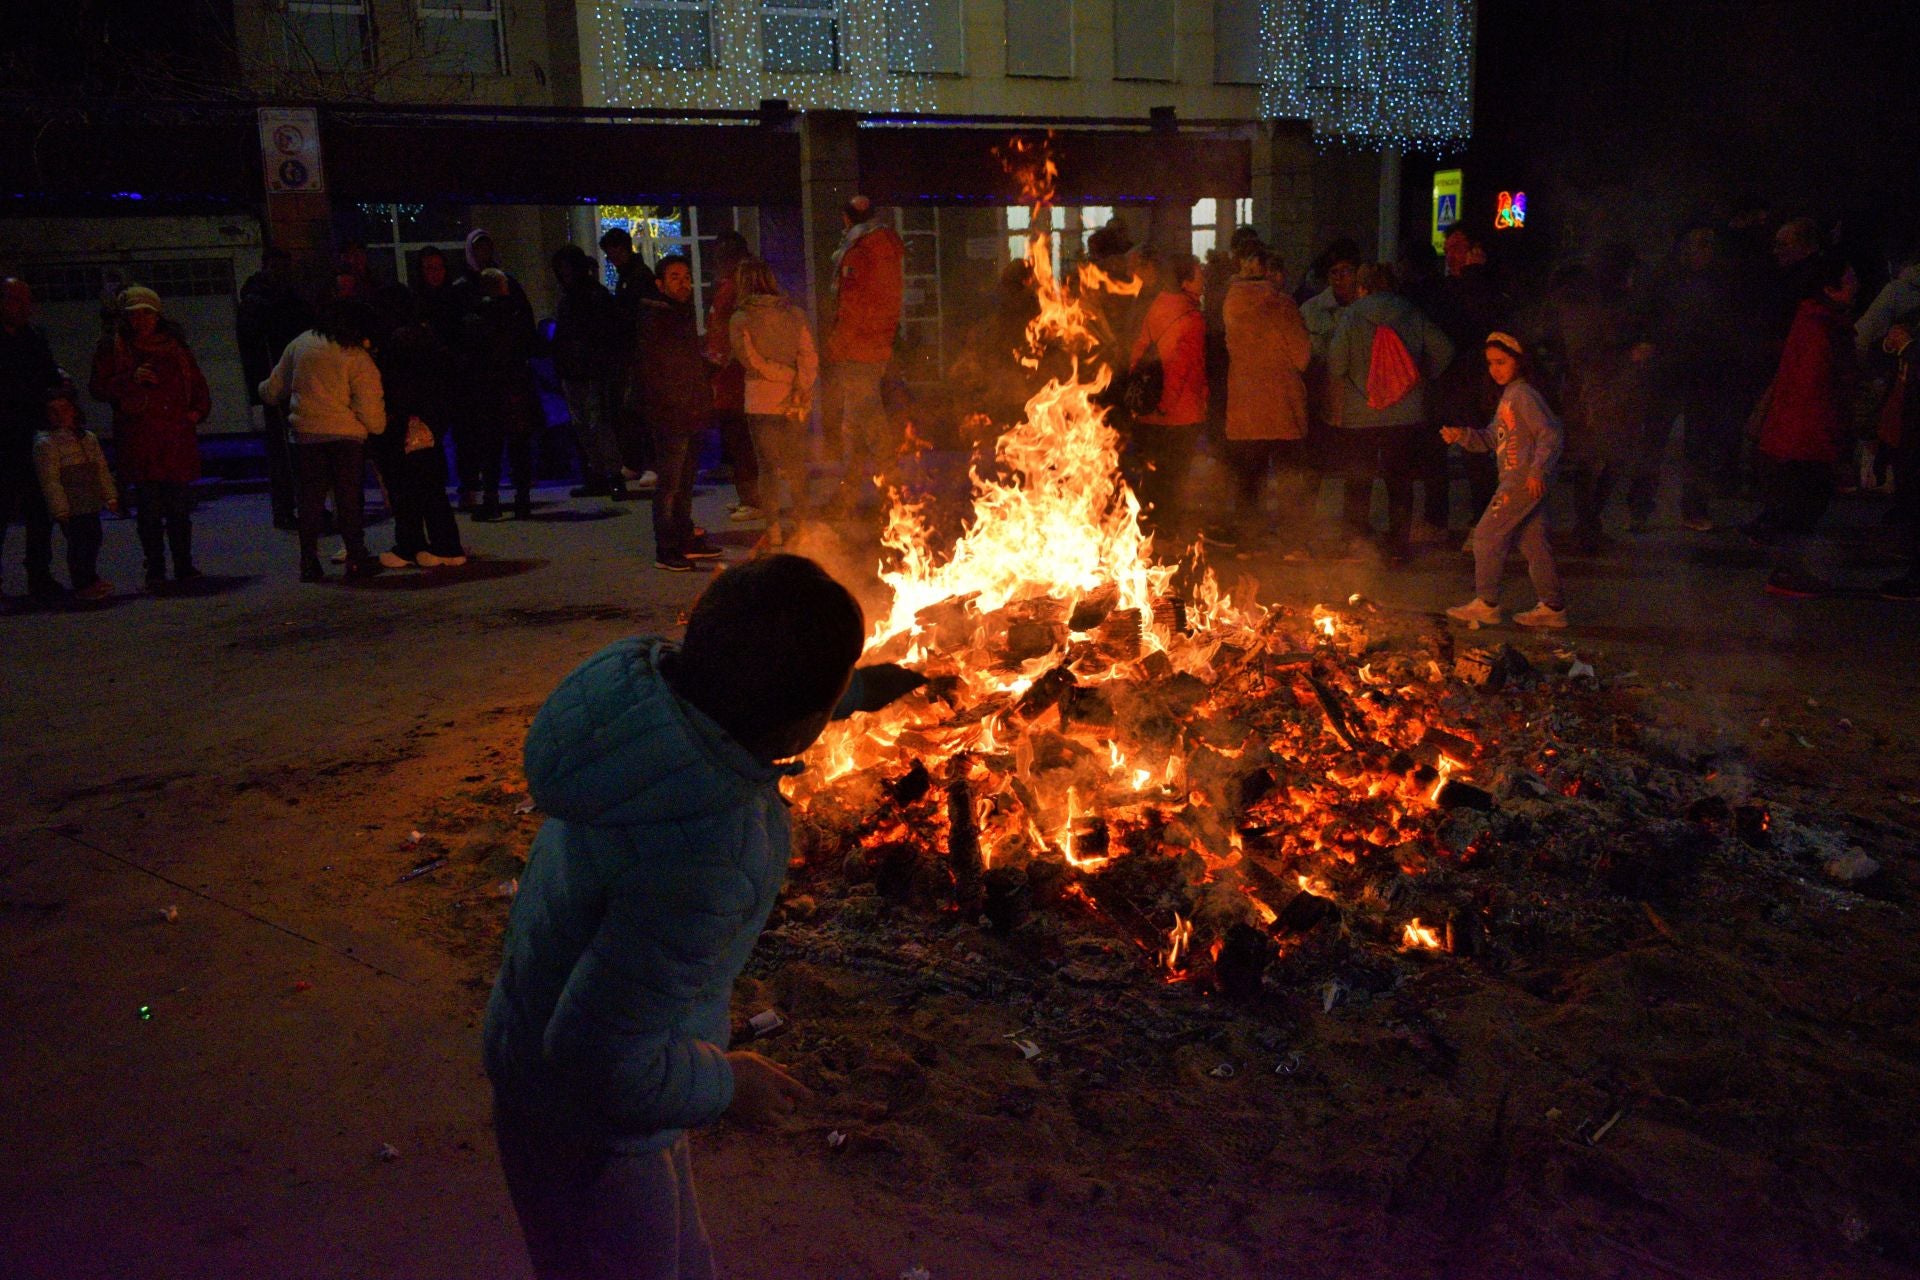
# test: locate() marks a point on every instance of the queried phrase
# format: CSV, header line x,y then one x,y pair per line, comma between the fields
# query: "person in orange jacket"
x,y
1163,439
869,285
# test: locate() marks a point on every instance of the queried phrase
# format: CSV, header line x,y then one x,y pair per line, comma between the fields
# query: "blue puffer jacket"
x,y
664,848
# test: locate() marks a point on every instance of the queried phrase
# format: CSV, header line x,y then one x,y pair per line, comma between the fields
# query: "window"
x,y
90,281
1069,229
800,35
1040,38
675,35
1144,42
1208,234
329,35
688,230
462,37
1236,41
926,37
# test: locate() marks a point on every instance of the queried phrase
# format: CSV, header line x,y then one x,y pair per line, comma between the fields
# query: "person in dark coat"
x,y
159,398
417,377
272,314
635,283
506,404
27,372
676,399
587,354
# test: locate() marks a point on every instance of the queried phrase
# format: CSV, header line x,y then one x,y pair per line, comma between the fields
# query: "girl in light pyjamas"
x,y
1525,438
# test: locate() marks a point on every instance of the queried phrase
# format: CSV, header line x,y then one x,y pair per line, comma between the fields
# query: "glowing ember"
x,y
1446,766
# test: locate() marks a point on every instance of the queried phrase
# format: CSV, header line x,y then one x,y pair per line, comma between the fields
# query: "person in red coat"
x,y
869,287
159,397
1163,440
1803,431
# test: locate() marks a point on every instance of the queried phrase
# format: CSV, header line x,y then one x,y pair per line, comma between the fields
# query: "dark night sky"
x,y
1632,115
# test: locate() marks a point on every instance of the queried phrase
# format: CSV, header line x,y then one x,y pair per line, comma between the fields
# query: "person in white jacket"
x,y
774,346
331,387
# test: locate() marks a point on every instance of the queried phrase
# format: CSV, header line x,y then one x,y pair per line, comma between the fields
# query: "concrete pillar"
x,y
829,177
1284,175
1389,204
302,224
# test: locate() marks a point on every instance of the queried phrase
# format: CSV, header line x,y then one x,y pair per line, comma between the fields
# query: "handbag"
x,y
419,436
1146,382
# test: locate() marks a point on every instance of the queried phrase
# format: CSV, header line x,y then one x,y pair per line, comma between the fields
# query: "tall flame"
x,y
1056,518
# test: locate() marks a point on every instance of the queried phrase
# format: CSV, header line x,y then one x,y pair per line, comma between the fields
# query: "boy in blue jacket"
x,y
665,845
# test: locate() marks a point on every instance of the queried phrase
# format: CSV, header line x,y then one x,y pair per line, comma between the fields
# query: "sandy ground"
x,y
210,1095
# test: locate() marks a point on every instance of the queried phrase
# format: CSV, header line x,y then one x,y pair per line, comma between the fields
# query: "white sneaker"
x,y
1542,615
646,480
340,556
1478,611
393,561
428,560
744,514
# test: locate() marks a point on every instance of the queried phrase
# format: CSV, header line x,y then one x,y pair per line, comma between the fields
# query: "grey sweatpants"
x,y
871,447
592,1214
1513,517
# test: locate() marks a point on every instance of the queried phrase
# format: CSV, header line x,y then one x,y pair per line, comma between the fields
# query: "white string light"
x,y
1370,73
714,54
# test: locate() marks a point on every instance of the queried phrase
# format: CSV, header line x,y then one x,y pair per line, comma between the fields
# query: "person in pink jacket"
x,y
1163,440
869,287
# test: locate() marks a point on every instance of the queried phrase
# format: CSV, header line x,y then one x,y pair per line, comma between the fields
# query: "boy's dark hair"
x,y
769,644
660,267
1341,250
65,391
616,236
346,322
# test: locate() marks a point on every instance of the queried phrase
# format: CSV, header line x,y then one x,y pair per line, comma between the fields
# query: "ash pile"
x,y
1110,819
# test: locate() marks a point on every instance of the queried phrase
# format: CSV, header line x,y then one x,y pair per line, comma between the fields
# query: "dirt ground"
x,y
236,1043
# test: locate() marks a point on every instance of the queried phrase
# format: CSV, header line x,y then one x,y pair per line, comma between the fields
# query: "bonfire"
x,y
1107,730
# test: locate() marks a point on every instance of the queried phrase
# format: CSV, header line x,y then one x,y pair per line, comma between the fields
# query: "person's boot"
x,y
311,570
153,549
523,505
489,510
180,538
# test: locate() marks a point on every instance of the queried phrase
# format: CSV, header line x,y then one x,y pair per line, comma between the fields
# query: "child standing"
x,y
666,843
1525,438
78,487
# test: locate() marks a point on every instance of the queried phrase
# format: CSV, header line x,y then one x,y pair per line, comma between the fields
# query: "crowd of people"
x,y
1467,400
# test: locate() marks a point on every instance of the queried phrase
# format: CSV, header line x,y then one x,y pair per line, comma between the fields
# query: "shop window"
x,y
672,35
1040,38
463,37
1236,41
1208,233
328,35
800,35
926,37
53,282
1145,44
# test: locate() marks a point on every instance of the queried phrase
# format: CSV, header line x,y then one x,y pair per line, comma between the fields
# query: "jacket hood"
x,y
473,236
614,745
1382,308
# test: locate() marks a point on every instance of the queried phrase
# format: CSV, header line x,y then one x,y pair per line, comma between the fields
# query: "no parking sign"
x,y
290,149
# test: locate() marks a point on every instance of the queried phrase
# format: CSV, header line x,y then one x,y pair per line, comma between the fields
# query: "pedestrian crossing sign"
x,y
1447,186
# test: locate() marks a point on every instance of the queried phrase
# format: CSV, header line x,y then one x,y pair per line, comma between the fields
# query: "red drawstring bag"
x,y
1391,372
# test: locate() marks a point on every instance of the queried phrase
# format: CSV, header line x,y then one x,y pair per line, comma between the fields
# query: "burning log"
x,y
911,785
1306,912
949,624
1119,638
963,835
1455,794
1336,714
1093,611
1044,692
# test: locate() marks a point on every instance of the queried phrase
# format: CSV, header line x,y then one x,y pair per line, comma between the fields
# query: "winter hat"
x,y
858,209
138,298
473,237
1506,342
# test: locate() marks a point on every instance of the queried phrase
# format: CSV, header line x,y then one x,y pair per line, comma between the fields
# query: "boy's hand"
x,y
762,1090
113,505
885,682
1536,488
1454,435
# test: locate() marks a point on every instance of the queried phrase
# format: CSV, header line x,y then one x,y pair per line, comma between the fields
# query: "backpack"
x,y
1391,372
1146,383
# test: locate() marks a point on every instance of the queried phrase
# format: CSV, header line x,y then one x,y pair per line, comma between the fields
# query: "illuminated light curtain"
x,y
1370,73
732,54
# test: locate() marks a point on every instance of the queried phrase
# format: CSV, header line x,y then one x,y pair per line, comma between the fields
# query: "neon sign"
x,y
1511,211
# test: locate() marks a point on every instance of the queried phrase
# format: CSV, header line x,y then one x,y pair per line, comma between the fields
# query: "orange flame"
x,y
1179,938
1419,937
